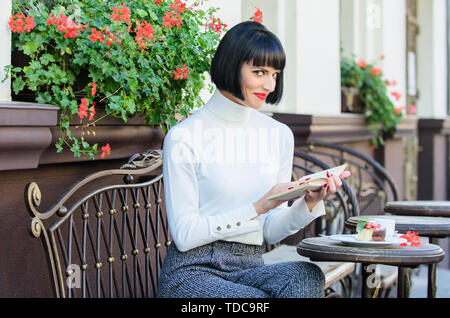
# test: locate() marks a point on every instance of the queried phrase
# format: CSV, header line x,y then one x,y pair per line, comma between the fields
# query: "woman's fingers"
x,y
331,185
337,181
345,174
324,191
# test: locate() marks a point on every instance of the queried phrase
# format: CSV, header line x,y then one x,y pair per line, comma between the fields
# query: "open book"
x,y
311,182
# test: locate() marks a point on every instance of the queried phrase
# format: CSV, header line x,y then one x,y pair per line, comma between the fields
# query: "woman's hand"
x,y
333,184
311,197
263,205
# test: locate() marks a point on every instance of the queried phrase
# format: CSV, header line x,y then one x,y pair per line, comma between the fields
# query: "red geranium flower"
x,y
65,25
178,6
96,36
361,63
106,151
121,13
258,15
216,25
82,110
144,33
17,23
92,112
375,71
397,95
181,73
94,89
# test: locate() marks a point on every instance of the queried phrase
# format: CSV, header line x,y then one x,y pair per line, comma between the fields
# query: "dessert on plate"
x,y
370,231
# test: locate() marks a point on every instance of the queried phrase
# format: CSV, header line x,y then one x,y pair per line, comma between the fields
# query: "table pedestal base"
x,y
403,282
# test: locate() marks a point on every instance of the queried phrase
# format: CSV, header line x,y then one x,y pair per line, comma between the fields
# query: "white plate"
x,y
350,239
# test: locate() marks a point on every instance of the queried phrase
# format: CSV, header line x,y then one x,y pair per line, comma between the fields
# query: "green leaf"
x,y
18,84
47,58
141,13
29,48
43,98
361,224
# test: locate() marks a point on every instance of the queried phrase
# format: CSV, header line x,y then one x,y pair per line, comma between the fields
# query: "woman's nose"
x,y
269,83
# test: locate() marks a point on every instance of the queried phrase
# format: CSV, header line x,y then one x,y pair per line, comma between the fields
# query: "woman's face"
x,y
257,82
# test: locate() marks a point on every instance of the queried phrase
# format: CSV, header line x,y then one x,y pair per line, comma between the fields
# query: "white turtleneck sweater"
x,y
217,163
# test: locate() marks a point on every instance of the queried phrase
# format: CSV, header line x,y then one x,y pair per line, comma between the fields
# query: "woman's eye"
x,y
259,73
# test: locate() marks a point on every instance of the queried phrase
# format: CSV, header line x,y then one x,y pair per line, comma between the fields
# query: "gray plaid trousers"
x,y
234,270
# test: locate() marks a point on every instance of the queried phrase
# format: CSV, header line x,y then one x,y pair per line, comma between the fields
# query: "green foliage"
x,y
381,115
131,79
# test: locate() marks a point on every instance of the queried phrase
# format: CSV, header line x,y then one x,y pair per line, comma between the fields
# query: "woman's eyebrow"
x,y
263,68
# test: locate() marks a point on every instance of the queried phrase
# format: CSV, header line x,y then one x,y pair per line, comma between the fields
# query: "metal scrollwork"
x,y
33,196
35,227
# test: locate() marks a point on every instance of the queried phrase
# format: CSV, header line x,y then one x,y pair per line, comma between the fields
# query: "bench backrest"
x,y
111,241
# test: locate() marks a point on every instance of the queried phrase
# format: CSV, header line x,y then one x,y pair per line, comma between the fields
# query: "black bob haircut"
x,y
247,42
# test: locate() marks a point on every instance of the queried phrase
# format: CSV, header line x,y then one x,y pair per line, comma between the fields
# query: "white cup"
x,y
388,224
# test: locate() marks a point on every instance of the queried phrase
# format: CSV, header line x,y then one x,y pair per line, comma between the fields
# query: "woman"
x,y
220,166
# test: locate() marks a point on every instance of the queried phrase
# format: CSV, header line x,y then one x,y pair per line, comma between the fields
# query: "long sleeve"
x,y
189,229
283,220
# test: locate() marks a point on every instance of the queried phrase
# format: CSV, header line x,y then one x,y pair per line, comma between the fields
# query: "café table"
x,y
422,208
418,208
430,226
404,257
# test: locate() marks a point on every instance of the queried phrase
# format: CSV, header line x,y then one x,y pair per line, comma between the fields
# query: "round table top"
x,y
419,208
325,249
430,226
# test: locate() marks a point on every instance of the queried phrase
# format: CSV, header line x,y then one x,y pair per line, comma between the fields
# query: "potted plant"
x,y
366,81
351,81
143,57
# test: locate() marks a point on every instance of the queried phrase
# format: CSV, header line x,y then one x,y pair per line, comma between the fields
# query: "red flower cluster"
x,y
258,16
144,33
375,71
178,6
393,82
412,238
171,20
96,36
397,95
82,110
19,25
216,25
92,112
108,36
94,89
361,63
121,13
157,2
106,151
181,73
65,25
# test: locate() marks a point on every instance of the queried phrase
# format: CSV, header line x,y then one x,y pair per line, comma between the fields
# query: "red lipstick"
x,y
261,96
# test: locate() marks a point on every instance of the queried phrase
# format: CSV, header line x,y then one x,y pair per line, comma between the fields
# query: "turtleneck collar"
x,y
226,109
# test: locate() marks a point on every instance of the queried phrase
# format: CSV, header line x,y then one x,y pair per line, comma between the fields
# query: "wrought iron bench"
x,y
370,182
87,237
110,240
